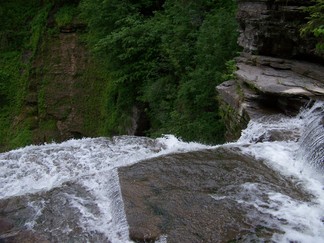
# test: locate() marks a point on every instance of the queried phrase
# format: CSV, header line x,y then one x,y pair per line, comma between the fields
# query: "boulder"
x,y
193,197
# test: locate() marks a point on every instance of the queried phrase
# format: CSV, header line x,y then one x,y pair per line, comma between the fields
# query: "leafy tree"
x,y
167,56
315,24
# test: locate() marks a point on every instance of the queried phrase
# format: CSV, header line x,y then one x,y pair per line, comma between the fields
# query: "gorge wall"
x,y
64,90
278,71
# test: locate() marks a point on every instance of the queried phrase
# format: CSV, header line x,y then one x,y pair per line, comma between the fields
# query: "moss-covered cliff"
x,y
76,68
98,68
52,89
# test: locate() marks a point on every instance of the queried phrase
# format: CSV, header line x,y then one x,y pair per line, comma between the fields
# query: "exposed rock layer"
x,y
55,93
194,197
186,196
278,70
272,28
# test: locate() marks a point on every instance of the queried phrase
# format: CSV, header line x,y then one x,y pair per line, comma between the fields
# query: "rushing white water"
x,y
90,164
300,158
77,182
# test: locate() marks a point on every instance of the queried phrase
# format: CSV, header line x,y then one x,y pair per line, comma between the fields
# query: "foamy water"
x,y
92,165
299,221
85,172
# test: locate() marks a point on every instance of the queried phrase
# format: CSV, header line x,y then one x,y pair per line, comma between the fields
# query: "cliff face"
x,y
65,94
271,28
278,70
58,86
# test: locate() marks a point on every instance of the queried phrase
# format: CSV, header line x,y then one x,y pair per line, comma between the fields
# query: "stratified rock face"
x,y
272,28
278,70
59,88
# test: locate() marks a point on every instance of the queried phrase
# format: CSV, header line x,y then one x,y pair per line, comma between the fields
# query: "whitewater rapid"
x,y
92,165
78,180
301,158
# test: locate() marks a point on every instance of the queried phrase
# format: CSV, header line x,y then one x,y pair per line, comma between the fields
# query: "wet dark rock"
x,y
10,233
20,211
285,83
5,225
23,237
147,235
268,86
194,197
272,28
73,27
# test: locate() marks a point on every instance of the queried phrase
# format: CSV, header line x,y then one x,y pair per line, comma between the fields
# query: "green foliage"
x,y
13,29
230,70
4,77
165,55
37,27
65,15
315,24
21,137
22,26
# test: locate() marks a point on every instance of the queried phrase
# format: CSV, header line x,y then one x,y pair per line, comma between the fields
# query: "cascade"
x,y
312,139
70,192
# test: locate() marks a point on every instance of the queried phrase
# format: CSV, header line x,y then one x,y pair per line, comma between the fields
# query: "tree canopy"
x,y
167,56
315,24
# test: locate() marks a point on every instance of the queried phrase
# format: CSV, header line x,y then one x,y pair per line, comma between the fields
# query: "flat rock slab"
x,y
195,197
279,82
245,101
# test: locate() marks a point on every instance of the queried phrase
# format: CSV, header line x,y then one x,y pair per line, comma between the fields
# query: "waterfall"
x,y
312,139
70,191
298,157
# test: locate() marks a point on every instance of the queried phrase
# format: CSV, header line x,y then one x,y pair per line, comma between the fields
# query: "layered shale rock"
x,y
272,27
278,70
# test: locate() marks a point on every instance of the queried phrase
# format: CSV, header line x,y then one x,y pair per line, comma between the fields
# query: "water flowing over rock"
x,y
70,192
241,192
266,187
196,197
165,190
312,141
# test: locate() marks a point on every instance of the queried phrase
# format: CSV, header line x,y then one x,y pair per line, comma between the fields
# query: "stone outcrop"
x,y
278,71
272,28
56,89
194,197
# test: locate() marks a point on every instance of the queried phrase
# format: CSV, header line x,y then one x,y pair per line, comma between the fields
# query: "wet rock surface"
x,y
10,233
51,216
280,77
270,86
195,197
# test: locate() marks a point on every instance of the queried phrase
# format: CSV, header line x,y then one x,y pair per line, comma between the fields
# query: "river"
x,y
70,192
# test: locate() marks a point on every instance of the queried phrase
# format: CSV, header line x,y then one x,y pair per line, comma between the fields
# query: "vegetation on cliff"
x,y
165,57
22,26
315,24
151,62
161,59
